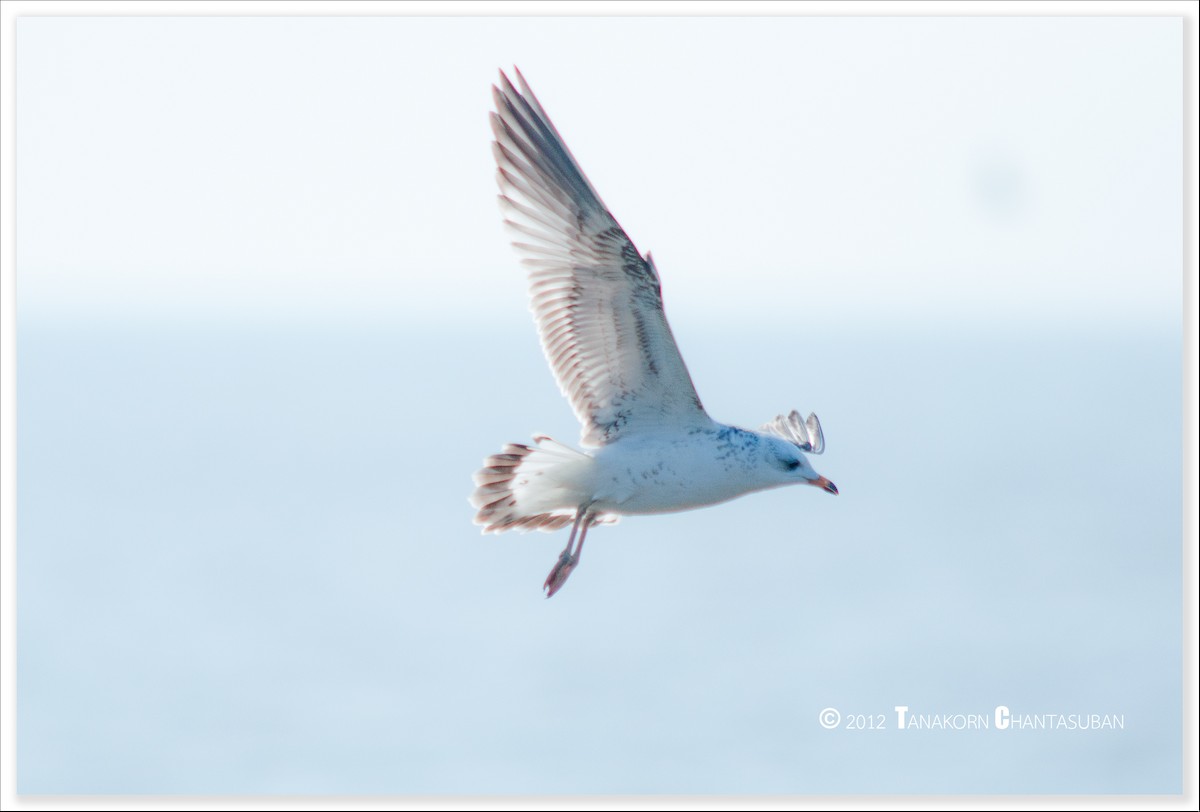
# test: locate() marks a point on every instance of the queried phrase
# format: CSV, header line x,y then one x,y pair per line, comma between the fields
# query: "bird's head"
x,y
791,439
793,466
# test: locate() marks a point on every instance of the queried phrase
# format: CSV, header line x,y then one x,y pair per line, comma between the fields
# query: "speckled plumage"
x,y
598,307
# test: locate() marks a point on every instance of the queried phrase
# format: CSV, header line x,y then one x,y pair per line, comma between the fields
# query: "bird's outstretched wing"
x,y
596,300
806,434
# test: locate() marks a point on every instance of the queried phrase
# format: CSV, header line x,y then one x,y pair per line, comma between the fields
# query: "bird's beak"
x,y
824,484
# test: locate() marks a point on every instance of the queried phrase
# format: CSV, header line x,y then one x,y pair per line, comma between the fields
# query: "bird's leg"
x,y
566,559
579,544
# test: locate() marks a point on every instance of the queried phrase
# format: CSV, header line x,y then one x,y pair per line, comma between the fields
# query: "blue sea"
x,y
246,564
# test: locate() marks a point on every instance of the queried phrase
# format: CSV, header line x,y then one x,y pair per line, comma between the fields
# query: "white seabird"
x,y
599,311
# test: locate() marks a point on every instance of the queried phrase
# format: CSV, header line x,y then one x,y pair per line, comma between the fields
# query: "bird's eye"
x,y
786,463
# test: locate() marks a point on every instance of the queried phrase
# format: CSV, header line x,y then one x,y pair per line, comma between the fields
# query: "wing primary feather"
x,y
597,302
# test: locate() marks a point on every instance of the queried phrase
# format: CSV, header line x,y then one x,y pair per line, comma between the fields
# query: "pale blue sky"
x,y
897,169
269,326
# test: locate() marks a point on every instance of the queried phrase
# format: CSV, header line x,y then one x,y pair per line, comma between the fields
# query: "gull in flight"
x,y
599,311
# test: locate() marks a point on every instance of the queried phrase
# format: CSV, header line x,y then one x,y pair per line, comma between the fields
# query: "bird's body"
x,y
667,472
598,306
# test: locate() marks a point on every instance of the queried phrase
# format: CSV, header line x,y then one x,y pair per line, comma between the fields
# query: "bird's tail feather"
x,y
538,487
